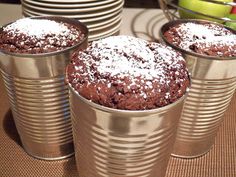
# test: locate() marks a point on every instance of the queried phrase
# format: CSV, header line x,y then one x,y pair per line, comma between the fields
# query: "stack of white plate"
x,y
102,17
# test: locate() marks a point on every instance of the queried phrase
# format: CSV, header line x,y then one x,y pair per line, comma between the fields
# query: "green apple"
x,y
203,7
231,24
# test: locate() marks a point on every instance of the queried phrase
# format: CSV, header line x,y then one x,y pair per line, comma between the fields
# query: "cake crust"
x,y
209,39
36,36
128,73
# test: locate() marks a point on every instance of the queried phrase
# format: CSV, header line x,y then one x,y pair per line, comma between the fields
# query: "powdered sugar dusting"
x,y
192,30
131,57
37,27
122,62
209,38
39,35
129,73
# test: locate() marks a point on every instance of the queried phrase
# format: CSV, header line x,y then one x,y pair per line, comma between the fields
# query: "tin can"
x,y
39,100
110,142
213,85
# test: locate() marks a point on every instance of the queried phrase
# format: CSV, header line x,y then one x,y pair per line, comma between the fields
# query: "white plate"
x,y
106,21
105,32
109,25
65,5
71,10
95,15
115,32
77,15
83,20
68,1
95,20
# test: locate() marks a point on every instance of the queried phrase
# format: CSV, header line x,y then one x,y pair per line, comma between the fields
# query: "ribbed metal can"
x,y
116,143
39,99
213,85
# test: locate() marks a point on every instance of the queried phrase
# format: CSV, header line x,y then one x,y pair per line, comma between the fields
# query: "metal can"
x,y
213,85
39,100
110,142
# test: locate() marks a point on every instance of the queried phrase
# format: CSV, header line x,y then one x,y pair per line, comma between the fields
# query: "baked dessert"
x,y
208,39
128,73
34,36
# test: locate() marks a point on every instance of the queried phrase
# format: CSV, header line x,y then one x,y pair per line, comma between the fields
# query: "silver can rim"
x,y
169,24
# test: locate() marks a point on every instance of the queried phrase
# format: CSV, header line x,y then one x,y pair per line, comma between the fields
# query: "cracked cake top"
x,y
128,73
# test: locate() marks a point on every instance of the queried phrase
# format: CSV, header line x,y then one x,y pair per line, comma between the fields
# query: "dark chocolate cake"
x,y
208,39
128,73
33,36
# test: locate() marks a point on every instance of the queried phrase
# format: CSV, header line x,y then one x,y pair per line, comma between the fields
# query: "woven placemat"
x,y
220,161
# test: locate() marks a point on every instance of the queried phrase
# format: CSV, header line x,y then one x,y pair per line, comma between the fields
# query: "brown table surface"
x,y
220,161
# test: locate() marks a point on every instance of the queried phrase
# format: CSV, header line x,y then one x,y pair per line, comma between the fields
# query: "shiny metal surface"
x,y
213,85
39,100
118,143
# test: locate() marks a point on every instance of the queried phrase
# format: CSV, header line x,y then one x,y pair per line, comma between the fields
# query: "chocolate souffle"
x,y
128,73
34,36
209,39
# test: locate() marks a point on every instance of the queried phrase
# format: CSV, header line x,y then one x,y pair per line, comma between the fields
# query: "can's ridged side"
x,y
203,112
113,155
118,144
41,113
